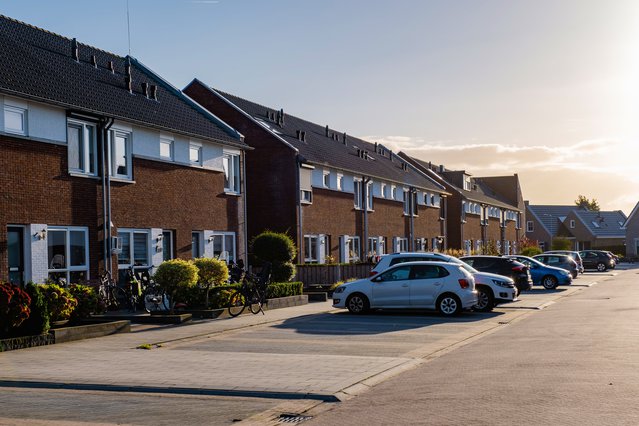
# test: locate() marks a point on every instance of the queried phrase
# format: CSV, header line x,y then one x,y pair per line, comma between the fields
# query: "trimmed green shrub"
x,y
174,275
275,290
38,321
87,301
14,307
282,272
221,298
273,247
211,272
60,302
530,251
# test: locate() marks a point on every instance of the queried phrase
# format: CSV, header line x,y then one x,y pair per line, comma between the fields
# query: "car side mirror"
x,y
377,279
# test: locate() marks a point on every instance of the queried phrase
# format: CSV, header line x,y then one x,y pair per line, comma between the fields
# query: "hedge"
x,y
195,296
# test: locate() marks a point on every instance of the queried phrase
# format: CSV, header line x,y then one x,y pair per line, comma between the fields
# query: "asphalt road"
x,y
574,363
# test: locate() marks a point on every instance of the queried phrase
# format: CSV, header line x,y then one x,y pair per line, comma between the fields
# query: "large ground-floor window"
x,y
135,250
224,246
68,254
316,248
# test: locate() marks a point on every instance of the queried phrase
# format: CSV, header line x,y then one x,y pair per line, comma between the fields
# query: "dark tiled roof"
x,y
38,65
320,150
549,215
608,224
480,191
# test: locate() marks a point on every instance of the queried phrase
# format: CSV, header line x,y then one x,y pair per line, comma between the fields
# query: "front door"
x,y
15,249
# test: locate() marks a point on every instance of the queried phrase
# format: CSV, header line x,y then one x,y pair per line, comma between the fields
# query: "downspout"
x,y
445,224
298,198
106,196
411,217
244,207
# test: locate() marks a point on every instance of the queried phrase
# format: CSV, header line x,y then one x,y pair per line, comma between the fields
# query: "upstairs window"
x,y
357,189
393,192
467,184
340,182
166,148
82,148
121,154
15,119
369,196
572,224
326,179
195,154
306,196
530,226
231,165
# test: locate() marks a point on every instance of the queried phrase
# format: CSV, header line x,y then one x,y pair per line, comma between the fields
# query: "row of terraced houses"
x,y
105,165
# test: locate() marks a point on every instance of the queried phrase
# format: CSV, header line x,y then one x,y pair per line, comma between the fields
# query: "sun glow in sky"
x,y
548,89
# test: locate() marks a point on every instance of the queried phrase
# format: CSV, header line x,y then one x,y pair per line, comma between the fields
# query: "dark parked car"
x,y
562,261
503,266
575,256
597,259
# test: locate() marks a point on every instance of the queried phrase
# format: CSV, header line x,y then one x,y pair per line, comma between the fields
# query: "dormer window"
x,y
15,119
467,184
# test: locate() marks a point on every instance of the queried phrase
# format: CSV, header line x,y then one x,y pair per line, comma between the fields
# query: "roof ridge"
x,y
26,24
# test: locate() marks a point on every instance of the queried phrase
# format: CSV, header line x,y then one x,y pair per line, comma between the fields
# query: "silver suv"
x,y
492,289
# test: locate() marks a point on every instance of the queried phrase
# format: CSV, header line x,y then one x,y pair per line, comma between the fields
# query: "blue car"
x,y
548,276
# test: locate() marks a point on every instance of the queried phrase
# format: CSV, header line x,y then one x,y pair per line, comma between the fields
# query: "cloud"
x,y
600,168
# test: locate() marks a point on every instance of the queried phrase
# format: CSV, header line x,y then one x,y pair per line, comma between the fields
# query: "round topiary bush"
x,y
174,275
211,272
282,272
273,247
60,302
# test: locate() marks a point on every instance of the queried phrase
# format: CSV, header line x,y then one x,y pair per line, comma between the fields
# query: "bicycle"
x,y
153,298
251,294
109,293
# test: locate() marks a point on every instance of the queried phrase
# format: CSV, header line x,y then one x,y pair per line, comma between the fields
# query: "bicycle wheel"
x,y
237,303
117,298
256,301
156,302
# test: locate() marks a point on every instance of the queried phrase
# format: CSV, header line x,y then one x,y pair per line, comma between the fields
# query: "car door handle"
x,y
438,283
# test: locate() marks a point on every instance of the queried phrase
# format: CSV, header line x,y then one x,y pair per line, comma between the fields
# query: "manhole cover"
x,y
293,418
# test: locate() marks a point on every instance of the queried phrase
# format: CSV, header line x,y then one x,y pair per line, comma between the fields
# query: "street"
x,y
552,357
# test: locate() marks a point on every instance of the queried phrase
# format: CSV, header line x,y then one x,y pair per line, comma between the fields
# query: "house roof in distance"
x,y
549,215
603,223
321,145
39,65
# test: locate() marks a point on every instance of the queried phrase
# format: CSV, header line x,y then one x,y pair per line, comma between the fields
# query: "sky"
x,y
545,89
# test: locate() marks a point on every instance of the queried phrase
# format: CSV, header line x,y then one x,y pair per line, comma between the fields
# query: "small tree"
x,y
587,204
561,243
528,247
211,272
174,275
278,249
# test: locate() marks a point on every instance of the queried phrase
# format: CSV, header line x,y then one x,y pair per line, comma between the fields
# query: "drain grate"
x,y
293,418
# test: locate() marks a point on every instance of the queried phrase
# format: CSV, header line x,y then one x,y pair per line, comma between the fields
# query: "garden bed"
x,y
26,342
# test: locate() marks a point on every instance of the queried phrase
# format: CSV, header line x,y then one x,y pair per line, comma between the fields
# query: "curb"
x,y
168,390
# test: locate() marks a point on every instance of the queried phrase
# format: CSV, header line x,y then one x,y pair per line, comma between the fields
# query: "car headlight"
x,y
564,272
339,289
505,284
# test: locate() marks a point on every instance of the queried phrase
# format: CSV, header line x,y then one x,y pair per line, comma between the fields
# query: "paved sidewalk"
x,y
217,357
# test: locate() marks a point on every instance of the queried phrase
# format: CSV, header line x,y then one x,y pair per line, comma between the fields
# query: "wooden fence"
x,y
330,274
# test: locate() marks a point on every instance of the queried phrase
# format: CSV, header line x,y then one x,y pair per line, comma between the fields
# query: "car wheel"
x,y
449,305
549,282
601,267
485,300
574,274
357,303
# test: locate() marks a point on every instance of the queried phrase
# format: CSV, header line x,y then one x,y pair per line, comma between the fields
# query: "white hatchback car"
x,y
446,287
492,289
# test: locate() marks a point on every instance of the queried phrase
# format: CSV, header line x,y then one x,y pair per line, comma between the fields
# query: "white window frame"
x,y
231,165
369,196
340,182
310,248
376,246
306,196
357,193
167,142
23,112
572,224
326,179
68,269
530,226
132,232
128,147
406,202
467,183
393,192
195,147
87,143
354,246
232,251
383,190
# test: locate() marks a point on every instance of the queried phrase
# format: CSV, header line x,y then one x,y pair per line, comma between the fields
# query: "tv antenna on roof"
x,y
128,25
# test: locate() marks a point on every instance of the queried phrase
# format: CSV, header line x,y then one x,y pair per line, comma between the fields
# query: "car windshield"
x,y
464,265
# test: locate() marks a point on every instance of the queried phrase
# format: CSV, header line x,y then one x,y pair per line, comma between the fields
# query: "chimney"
x,y
327,131
268,115
145,90
154,92
74,50
281,123
441,168
303,135
111,67
299,135
359,153
344,138
390,155
375,147
94,61
365,155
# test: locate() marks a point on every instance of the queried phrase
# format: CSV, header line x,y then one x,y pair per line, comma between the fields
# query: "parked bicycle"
x,y
153,298
252,292
113,296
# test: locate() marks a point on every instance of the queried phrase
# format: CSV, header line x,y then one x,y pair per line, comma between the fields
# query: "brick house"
x,y
631,227
481,211
104,165
544,222
339,197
